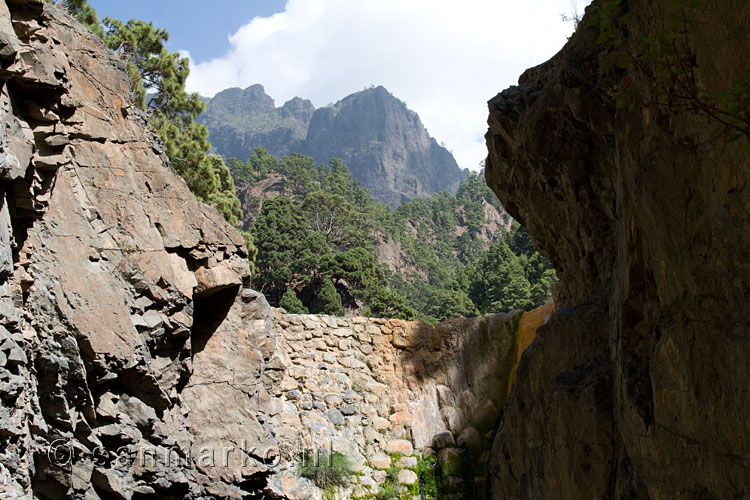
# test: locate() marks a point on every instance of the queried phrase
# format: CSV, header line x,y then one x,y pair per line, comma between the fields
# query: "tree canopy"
x,y
324,226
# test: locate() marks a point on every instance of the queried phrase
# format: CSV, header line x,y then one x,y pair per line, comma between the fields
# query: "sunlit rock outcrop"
x,y
123,309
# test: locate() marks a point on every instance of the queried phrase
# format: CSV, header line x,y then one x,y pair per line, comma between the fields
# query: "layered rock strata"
x,y
637,387
126,326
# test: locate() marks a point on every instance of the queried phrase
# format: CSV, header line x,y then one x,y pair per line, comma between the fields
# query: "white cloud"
x,y
445,58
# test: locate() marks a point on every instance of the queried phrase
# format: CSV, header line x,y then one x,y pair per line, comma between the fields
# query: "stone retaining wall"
x,y
387,392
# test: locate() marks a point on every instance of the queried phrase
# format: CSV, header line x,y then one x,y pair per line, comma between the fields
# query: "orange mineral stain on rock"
x,y
526,333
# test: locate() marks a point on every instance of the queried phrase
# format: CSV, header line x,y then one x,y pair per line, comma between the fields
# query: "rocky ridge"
x,y
382,142
123,302
637,386
241,120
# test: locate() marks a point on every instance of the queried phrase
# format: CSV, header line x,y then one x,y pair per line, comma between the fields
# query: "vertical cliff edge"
x,y
637,387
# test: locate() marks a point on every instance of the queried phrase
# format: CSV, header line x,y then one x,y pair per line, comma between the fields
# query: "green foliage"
x,y
291,303
252,251
298,174
289,254
315,244
428,477
154,69
326,201
511,275
446,304
328,300
332,216
241,171
389,304
327,209
387,491
206,175
326,470
426,487
263,162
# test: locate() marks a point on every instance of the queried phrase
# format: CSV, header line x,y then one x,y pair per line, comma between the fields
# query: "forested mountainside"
x,y
383,143
318,231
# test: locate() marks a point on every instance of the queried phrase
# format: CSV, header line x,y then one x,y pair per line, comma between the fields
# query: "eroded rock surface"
x,y
130,346
637,388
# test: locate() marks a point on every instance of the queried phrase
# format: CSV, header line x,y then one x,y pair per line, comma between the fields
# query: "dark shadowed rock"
x,y
638,387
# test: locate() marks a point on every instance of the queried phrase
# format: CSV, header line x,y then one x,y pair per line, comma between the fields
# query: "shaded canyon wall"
x,y
637,387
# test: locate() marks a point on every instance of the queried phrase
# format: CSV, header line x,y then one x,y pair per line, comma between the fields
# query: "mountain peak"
x,y
238,101
377,136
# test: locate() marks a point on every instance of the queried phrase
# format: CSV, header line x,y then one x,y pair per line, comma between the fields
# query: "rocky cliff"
x,y
241,120
637,387
382,142
385,146
123,307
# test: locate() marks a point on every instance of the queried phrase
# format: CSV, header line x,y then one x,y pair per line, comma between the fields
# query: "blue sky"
x,y
444,58
202,28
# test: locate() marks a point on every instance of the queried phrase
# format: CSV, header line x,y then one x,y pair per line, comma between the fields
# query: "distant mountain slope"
x,y
382,142
241,120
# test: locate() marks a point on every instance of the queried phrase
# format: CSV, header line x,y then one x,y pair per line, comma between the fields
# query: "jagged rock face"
x,y
125,351
637,387
382,142
385,146
241,120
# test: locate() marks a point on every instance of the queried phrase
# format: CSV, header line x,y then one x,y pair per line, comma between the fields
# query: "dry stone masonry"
x,y
387,392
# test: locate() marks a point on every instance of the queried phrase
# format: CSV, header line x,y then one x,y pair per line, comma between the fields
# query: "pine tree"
x,y
499,283
328,300
389,304
252,251
291,303
289,254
